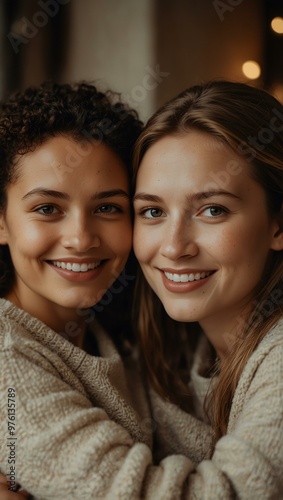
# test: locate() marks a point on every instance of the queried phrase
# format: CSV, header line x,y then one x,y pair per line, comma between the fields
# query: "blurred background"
x,y
148,50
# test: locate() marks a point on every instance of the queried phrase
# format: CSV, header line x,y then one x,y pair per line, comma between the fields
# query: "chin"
x,y
179,314
80,302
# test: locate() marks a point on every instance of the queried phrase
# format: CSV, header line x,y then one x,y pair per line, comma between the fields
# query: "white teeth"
x,y
185,278
75,267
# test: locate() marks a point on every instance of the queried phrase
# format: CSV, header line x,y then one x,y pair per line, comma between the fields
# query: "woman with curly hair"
x,y
74,412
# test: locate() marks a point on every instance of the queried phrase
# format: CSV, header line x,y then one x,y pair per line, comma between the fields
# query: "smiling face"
x,y
68,227
202,230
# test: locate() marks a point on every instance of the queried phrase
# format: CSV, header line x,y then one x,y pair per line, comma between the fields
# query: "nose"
x,y
80,234
178,241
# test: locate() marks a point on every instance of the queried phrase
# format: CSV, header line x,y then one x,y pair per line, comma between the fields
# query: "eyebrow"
x,y
47,193
191,197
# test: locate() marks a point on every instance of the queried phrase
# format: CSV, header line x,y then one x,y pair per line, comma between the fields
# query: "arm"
x,y
66,448
251,455
247,463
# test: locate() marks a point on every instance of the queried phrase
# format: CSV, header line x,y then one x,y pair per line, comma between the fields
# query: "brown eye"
x,y
216,211
108,209
152,213
155,212
47,210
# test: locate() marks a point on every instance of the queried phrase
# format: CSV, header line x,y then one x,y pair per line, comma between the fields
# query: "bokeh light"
x,y
251,70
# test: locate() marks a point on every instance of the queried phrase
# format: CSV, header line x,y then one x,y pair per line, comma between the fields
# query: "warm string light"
x,y
251,70
277,25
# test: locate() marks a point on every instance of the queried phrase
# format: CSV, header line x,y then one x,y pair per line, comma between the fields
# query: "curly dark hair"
x,y
30,117
80,110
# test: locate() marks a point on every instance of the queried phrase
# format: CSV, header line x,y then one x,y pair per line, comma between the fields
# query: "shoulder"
x,y
266,360
268,355
11,333
260,383
23,337
274,336
17,327
270,348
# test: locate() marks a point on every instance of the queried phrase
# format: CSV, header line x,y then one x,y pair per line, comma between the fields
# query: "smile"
x,y
75,266
185,278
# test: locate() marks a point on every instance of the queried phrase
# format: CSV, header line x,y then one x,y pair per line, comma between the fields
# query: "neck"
x,y
223,333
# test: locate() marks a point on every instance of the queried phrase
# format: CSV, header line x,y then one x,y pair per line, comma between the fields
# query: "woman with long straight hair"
x,y
208,236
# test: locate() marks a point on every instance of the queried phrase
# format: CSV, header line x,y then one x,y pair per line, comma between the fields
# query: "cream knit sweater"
x,y
247,463
83,428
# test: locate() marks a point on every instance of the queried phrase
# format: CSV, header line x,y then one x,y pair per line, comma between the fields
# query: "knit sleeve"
x,y
64,447
251,455
61,447
247,463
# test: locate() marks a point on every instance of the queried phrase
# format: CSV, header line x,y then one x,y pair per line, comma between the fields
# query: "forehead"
x,y
192,157
62,159
192,143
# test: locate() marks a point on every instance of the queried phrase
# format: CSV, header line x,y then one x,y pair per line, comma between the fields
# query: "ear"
x,y
3,230
277,237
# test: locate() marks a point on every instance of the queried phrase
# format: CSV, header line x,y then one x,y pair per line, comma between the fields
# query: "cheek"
x,y
121,238
226,242
136,239
143,243
238,248
31,241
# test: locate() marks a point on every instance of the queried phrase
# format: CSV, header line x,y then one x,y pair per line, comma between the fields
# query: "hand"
x,y
6,494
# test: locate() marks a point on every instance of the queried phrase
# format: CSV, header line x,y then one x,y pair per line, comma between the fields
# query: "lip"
x,y
72,276
183,287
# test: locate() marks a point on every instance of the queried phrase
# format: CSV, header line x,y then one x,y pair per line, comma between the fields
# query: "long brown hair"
x,y
250,121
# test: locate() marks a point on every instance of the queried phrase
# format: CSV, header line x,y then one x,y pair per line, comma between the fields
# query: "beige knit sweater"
x,y
83,429
247,463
